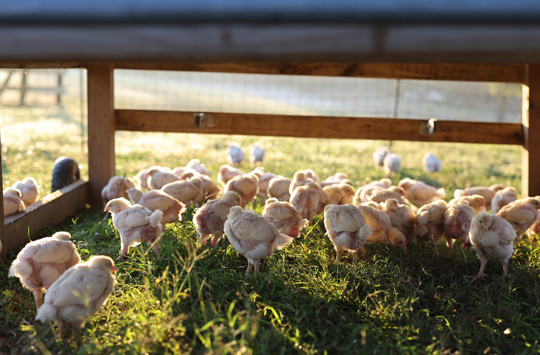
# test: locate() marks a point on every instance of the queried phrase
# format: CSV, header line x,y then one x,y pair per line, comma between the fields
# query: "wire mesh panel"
x,y
317,96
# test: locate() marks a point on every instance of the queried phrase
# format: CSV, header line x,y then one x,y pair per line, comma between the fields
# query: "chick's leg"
x,y
339,252
249,268
156,249
257,264
505,267
38,296
481,274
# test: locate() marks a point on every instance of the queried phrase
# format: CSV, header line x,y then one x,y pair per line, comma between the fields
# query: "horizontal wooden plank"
x,y
321,127
510,73
300,43
40,65
48,212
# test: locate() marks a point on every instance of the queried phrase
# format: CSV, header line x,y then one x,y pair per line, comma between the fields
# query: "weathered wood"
x,y
40,65
308,42
48,212
530,171
101,163
2,231
320,127
509,73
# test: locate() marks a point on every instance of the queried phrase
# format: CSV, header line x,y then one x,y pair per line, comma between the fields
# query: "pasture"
x,y
196,300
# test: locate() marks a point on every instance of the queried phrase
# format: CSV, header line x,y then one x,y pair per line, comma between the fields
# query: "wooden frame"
x,y
104,120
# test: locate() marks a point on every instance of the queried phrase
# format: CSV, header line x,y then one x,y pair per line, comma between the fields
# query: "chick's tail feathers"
x,y
155,218
282,241
46,312
365,231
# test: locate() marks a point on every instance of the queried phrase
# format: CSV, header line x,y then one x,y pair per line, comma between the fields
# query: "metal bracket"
x,y
205,120
428,128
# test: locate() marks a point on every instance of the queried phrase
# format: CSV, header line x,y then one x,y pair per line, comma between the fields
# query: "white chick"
x,y
210,189
210,218
257,155
299,179
383,231
337,178
521,213
502,198
142,176
79,293
29,189
195,164
135,224
457,223
310,174
401,216
253,236
42,261
347,229
429,223
379,155
284,217
278,187
391,164
188,192
306,201
247,186
158,200
431,163
264,182
420,193
384,183
13,202
493,238
339,194
235,155
159,178
487,192
477,202
380,194
227,172
116,187
184,173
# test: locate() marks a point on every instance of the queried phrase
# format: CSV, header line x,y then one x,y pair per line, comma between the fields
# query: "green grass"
x,y
196,300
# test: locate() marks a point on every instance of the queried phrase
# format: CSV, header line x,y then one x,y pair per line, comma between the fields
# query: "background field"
x,y
197,300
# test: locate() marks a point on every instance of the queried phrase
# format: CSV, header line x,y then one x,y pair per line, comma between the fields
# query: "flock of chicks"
x,y
374,213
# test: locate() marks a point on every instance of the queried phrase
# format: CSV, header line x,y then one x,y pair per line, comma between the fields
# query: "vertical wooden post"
x,y
3,250
100,128
530,169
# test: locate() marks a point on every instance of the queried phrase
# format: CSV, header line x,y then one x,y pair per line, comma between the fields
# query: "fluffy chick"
x,y
477,202
380,194
79,293
278,187
158,178
257,155
383,231
493,238
247,186
284,217
521,214
339,194
379,155
391,164
502,198
235,155
42,261
142,176
210,218
487,192
188,191
347,229
116,187
420,193
13,202
135,224
306,200
158,200
457,222
401,216
29,189
431,163
196,165
253,236
429,223
226,173
384,183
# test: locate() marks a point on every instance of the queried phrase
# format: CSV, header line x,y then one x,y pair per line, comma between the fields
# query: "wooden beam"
x,y
40,65
302,43
2,230
508,73
48,212
100,128
530,171
321,127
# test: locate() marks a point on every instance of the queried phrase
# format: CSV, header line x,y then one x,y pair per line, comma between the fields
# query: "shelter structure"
x,y
477,40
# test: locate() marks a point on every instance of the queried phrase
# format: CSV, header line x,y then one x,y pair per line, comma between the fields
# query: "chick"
x,y
210,218
347,229
429,223
13,202
284,217
420,193
339,194
383,231
493,238
401,216
383,183
135,224
457,222
189,191
116,187
247,186
502,198
158,200
257,155
278,187
79,293
306,200
431,163
487,192
380,194
521,214
142,176
235,155
253,236
391,164
42,261
379,155
226,173
29,189
195,164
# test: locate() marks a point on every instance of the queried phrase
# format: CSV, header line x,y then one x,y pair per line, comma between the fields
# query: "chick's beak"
x,y
215,241
113,268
